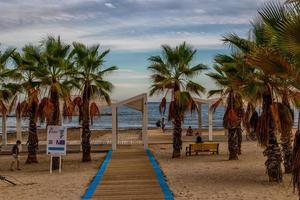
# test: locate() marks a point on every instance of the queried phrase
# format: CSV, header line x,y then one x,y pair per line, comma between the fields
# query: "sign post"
x,y
56,143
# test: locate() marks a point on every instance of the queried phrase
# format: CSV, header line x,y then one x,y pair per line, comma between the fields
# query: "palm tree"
x,y
269,123
282,20
230,76
173,73
90,75
54,70
27,66
264,86
8,87
287,34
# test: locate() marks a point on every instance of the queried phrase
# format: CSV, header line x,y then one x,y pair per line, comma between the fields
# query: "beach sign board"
x,y
56,140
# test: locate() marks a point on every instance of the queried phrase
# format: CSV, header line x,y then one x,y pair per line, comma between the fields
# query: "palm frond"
x,y
237,43
195,88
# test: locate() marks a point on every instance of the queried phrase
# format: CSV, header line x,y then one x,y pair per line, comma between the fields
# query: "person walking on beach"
x,y
15,155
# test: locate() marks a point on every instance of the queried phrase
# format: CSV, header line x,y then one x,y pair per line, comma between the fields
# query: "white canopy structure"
x,y
210,115
138,103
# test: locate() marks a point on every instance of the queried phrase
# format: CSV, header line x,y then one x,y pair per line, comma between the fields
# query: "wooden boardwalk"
x,y
129,175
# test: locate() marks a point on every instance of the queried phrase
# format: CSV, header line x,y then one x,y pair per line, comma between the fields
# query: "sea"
x,y
132,119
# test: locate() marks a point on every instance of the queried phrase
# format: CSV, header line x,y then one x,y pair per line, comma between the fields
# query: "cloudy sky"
x,y
132,29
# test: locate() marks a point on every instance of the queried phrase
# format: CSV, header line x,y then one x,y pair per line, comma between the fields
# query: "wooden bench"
x,y
202,147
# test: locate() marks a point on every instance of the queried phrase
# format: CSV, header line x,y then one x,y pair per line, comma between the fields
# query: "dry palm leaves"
x,y
68,108
182,102
67,113
265,122
234,112
239,106
171,111
24,109
286,119
231,119
163,105
77,102
94,111
3,108
247,116
275,116
192,105
45,110
33,103
263,128
214,106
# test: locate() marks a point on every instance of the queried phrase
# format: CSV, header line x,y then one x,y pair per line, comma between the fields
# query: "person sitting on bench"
x,y
189,131
199,138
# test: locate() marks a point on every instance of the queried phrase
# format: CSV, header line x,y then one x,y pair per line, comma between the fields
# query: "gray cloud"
x,y
124,21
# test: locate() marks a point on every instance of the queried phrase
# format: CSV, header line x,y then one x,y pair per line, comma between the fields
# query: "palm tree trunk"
x,y
86,133
286,135
233,146
32,136
286,145
177,141
80,114
240,140
273,162
272,151
55,119
232,121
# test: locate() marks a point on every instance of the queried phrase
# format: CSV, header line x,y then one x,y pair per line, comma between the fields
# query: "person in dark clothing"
x,y
158,124
163,125
199,138
189,131
15,155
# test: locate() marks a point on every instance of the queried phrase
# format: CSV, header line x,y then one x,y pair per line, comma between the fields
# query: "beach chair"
x,y
202,147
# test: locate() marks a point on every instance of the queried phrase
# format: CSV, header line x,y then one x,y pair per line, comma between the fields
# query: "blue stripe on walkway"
x,y
93,185
164,186
56,148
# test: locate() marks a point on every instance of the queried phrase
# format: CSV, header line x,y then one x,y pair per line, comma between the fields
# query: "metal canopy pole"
x,y
145,123
114,127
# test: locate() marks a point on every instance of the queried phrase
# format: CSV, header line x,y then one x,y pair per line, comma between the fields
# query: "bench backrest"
x,y
205,146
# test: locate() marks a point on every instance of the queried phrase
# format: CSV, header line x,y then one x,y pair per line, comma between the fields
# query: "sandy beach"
x,y
35,182
190,178
214,177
